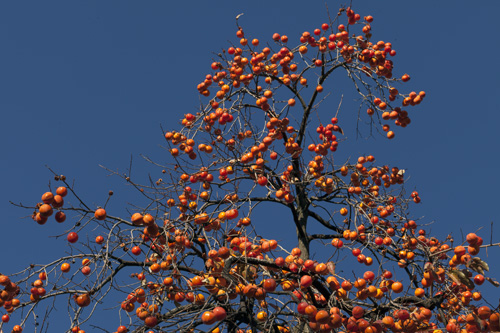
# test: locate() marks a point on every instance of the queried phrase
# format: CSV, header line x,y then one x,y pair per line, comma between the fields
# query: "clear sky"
x,y
89,83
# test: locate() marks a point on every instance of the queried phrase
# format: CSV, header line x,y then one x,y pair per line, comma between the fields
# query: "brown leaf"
x,y
481,263
331,267
460,278
428,266
475,267
480,324
493,282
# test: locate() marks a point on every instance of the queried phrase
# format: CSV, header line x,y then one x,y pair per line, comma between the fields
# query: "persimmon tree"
x,y
195,259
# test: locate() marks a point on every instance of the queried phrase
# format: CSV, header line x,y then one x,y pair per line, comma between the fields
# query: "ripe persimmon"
x,y
82,300
45,210
269,285
100,214
122,329
484,312
62,191
208,318
137,219
72,237
419,292
397,287
151,321
40,219
322,317
261,316
47,198
60,217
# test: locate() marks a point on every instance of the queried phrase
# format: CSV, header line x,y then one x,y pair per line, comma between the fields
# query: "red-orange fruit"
x,y
100,214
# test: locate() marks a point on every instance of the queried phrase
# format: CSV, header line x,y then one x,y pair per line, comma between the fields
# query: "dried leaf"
x,y
478,265
331,267
453,274
465,279
476,268
481,263
460,278
481,324
467,282
428,266
250,273
493,282
240,268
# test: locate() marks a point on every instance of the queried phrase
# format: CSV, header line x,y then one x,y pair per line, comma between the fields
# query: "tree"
x,y
195,258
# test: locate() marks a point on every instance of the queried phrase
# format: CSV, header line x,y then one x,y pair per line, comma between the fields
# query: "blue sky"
x,y
89,83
